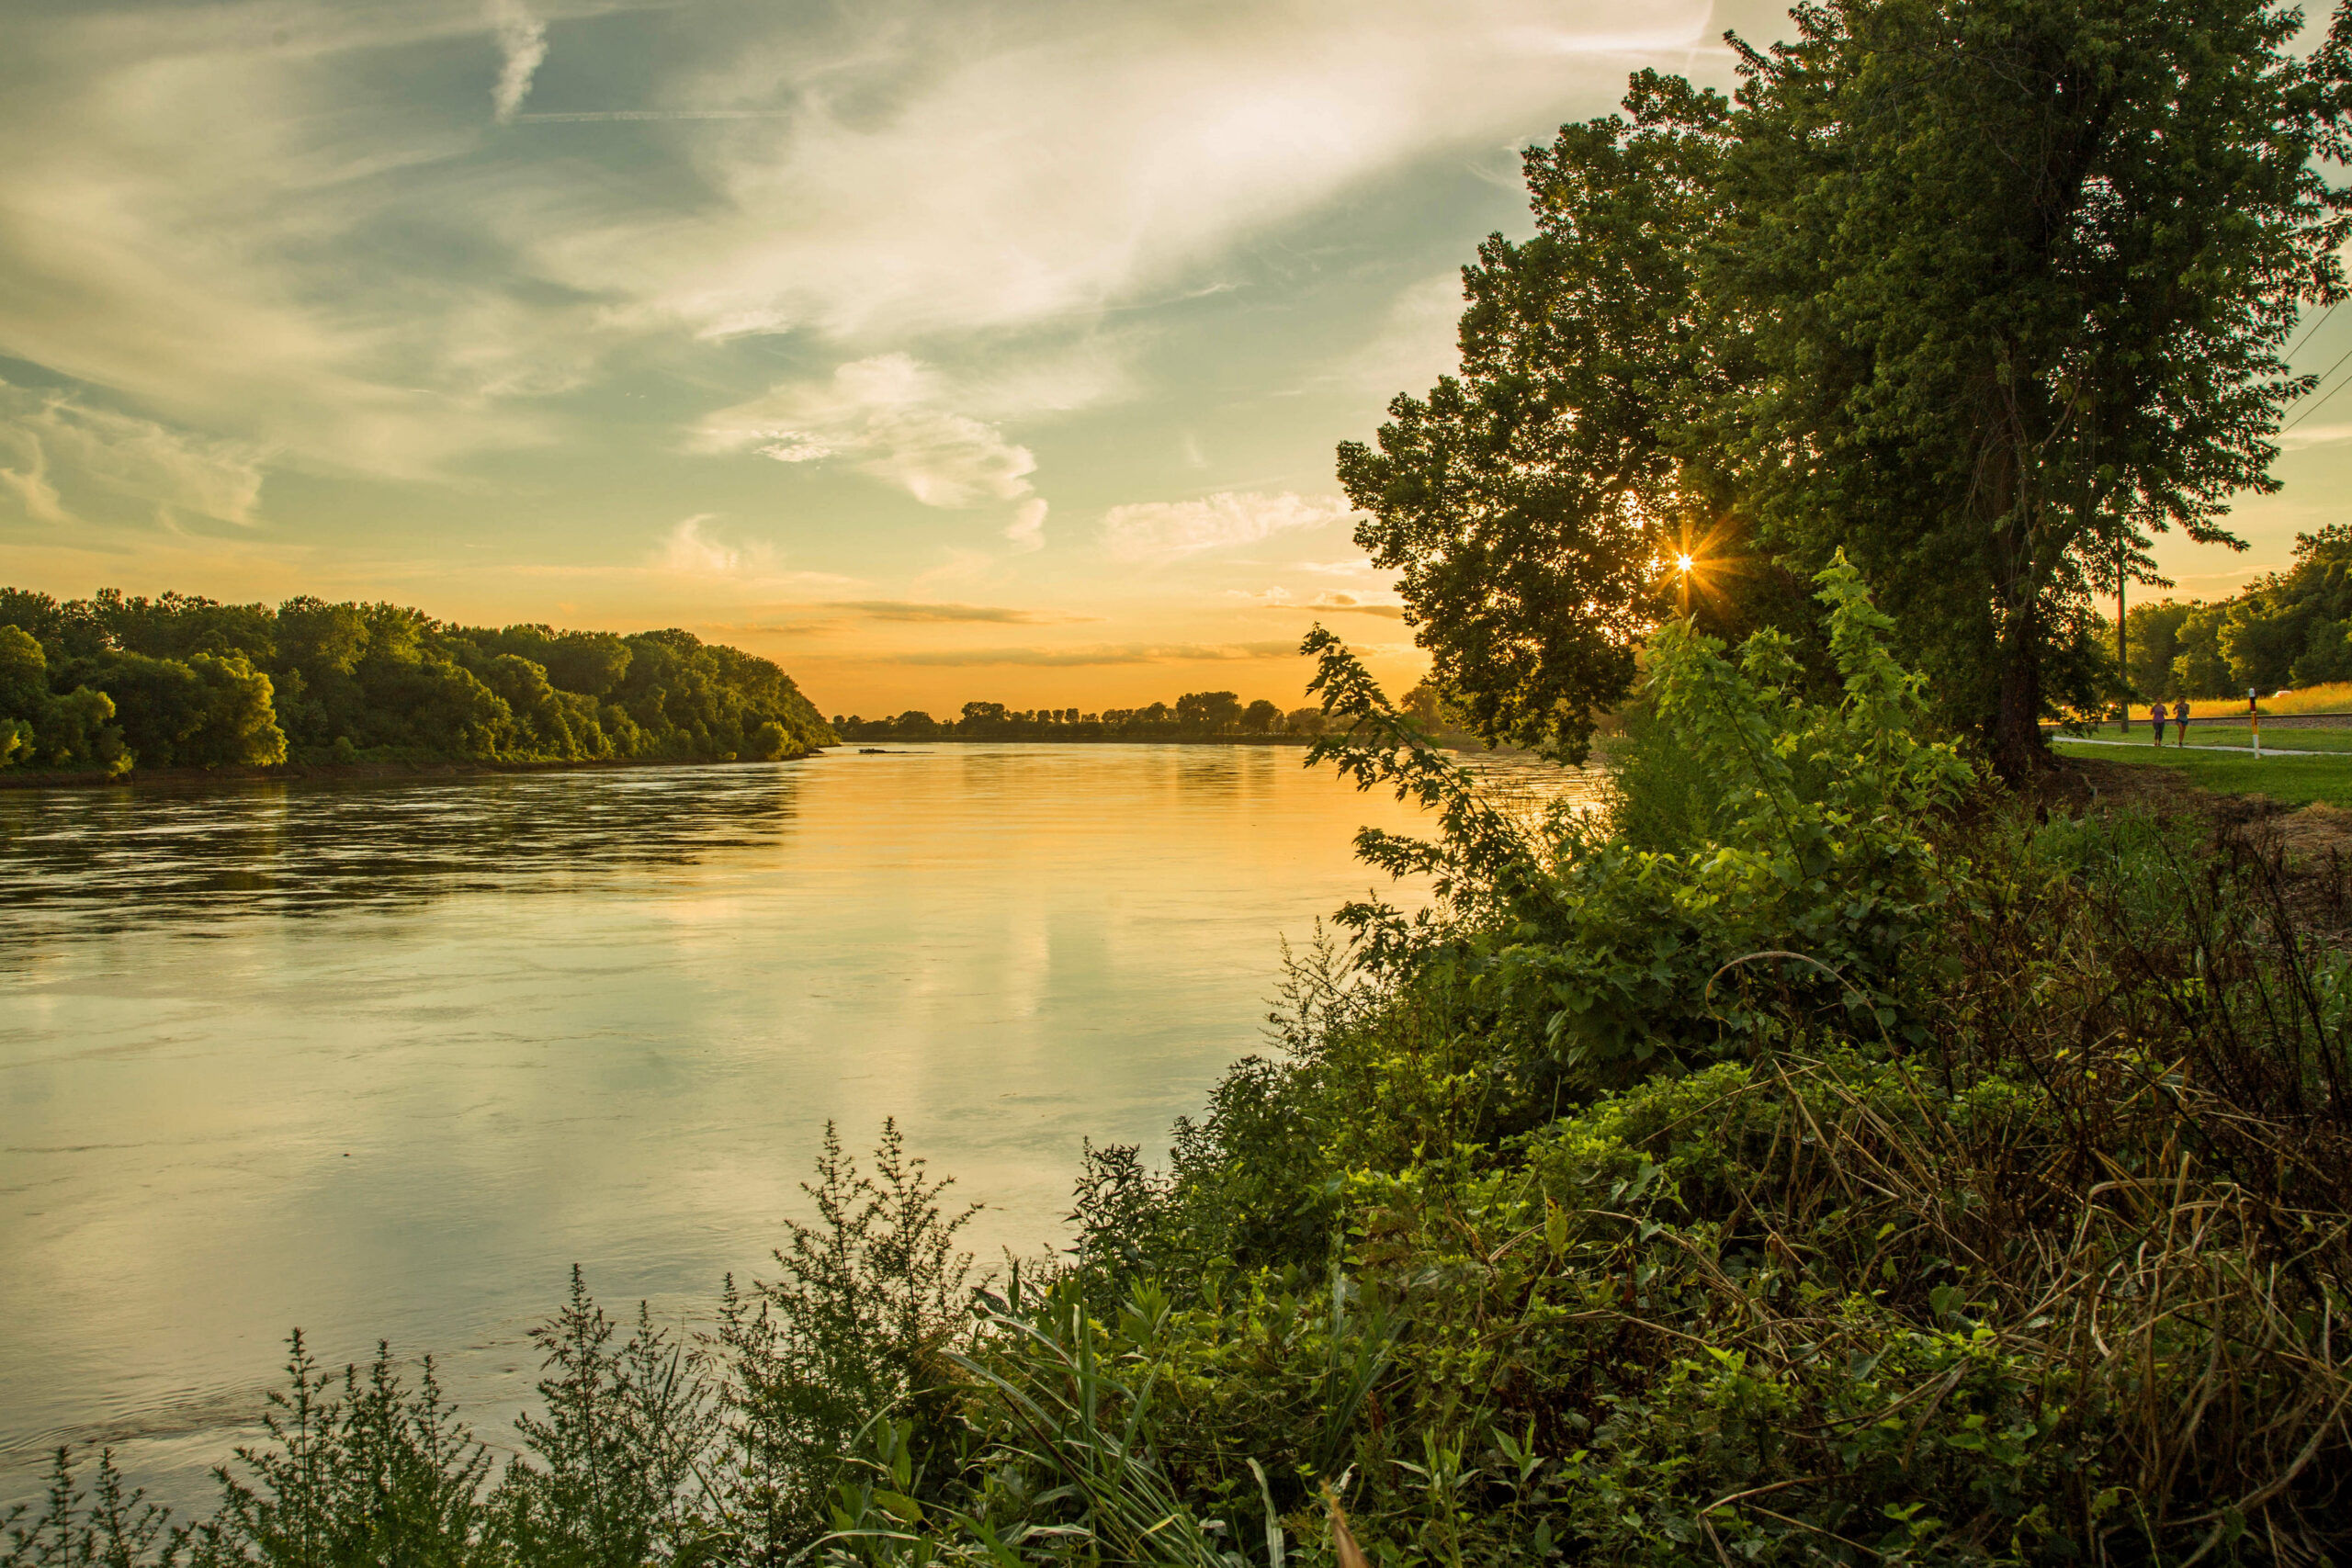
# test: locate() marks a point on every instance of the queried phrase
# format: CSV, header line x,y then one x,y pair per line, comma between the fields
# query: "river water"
x,y
384,1060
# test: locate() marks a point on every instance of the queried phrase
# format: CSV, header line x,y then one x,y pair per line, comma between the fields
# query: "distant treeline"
x,y
111,683
1196,715
2292,628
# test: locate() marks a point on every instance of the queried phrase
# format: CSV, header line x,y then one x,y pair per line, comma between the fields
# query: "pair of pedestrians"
x,y
2180,716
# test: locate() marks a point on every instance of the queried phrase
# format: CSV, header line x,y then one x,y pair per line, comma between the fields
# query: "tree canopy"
x,y
1982,292
181,681
2292,628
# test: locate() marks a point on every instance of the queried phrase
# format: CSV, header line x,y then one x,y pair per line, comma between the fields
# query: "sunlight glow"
x,y
1682,563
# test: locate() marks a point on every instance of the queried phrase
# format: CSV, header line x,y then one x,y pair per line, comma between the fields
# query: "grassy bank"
x,y
1827,1160
2219,759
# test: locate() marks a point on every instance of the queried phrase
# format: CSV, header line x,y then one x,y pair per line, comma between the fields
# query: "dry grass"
x,y
2334,697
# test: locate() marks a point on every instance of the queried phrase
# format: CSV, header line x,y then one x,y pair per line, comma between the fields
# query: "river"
x,y
384,1060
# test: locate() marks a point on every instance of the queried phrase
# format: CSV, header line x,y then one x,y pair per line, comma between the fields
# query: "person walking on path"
x,y
2157,720
2180,719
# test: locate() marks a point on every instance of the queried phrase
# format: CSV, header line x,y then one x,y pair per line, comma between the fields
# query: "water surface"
x,y
385,1060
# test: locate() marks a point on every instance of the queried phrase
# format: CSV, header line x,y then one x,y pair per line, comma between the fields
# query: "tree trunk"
x,y
2019,751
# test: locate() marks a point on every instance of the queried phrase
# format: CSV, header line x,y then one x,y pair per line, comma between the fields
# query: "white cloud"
x,y
521,45
884,416
1027,530
1167,529
687,549
2314,436
690,549
1040,166
60,440
272,219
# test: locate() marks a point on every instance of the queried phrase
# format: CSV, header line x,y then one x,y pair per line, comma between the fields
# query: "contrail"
x,y
587,116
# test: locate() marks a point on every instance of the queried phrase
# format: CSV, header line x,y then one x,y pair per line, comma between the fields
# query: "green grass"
x,y
2296,781
2280,733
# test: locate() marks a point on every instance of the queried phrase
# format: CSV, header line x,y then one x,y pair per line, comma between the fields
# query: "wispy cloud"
x,y
1345,603
924,610
1046,163
886,416
56,439
2314,436
1101,654
1169,529
1416,341
1027,529
691,548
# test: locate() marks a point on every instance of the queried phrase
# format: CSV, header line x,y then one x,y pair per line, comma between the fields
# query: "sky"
x,y
938,351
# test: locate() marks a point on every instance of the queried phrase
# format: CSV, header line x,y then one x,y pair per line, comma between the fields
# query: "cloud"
x,y
2313,436
918,610
1348,603
689,549
885,416
1043,163
1102,654
1027,529
286,221
57,439
1169,529
521,45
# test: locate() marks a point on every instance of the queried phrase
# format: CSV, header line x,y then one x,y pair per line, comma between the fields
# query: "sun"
x,y
1682,563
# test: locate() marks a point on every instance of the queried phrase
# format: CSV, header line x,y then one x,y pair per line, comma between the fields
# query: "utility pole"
x,y
2122,655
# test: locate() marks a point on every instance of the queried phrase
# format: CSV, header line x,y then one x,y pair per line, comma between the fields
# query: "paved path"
x,y
2150,746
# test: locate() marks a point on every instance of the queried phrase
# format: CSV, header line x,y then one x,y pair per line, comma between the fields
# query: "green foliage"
x,y
869,1303
1585,957
615,1475
111,1526
74,730
192,683
384,1475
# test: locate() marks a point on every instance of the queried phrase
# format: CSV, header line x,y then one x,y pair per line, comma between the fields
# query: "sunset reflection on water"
x,y
385,1060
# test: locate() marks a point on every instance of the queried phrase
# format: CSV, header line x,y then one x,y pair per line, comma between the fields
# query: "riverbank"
x,y
25,779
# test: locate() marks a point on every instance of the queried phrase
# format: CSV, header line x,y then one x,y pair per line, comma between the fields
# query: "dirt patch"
x,y
2318,833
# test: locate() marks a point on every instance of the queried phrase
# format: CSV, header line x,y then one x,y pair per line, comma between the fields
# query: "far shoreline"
x,y
136,778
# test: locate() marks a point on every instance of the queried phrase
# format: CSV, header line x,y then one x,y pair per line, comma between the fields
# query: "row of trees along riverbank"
x,y
1194,717
112,683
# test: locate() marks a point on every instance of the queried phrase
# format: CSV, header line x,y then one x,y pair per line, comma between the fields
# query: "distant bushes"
x,y
1196,715
111,681
2292,628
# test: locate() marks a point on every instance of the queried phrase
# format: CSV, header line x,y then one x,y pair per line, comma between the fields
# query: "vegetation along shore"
x,y
111,685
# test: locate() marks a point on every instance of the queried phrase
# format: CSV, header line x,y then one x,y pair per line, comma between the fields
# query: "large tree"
x,y
1979,291
1522,501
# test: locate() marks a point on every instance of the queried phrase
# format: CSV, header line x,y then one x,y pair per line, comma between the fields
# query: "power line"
x,y
2315,326
2319,405
2316,386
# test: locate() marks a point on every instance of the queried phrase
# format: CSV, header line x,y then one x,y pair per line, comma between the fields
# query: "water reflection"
x,y
385,1060
103,860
